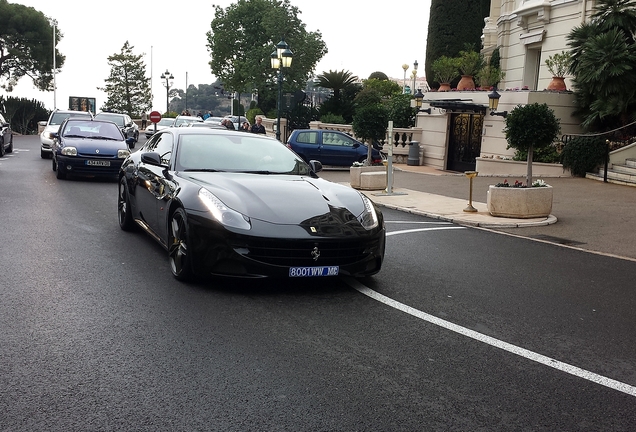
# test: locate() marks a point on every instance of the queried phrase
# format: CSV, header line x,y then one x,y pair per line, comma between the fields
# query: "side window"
x,y
164,148
160,143
334,138
307,137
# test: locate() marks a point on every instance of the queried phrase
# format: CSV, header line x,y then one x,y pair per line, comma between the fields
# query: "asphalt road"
x,y
463,329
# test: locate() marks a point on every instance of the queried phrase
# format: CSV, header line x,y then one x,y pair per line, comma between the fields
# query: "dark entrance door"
x,y
464,143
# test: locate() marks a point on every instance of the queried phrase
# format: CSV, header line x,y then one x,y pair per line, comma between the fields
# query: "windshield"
x,y
165,122
92,129
237,153
59,117
117,119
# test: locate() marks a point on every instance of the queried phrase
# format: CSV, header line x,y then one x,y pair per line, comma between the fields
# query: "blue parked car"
x,y
329,147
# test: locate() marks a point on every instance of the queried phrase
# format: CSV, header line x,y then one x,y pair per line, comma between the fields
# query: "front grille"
x,y
298,253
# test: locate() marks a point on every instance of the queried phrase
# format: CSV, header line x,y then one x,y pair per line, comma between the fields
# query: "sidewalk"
x,y
586,214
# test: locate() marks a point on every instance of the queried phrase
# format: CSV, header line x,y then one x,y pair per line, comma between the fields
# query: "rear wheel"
x,y
10,148
178,242
126,222
1,147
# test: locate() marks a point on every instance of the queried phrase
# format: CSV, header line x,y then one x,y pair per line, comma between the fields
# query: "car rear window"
x,y
307,137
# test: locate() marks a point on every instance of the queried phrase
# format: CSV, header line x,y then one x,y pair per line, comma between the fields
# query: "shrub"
x,y
252,113
583,155
549,154
332,118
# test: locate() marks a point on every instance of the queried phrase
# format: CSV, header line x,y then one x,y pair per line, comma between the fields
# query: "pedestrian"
x,y
144,120
228,124
257,127
245,127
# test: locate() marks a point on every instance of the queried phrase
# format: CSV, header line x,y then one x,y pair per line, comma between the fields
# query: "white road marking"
x,y
530,355
424,229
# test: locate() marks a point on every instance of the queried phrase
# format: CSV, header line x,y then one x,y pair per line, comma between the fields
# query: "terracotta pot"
x,y
444,87
466,83
557,84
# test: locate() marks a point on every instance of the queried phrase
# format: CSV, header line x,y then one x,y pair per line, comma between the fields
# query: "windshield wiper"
x,y
263,172
202,170
74,136
105,138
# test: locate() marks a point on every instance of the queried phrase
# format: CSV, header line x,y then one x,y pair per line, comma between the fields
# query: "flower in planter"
x,y
539,183
518,184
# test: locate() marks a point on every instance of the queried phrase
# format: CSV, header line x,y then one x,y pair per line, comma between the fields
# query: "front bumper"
x,y
219,252
85,166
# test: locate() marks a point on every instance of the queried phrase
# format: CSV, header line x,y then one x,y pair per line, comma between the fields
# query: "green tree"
x,y
23,114
400,111
386,88
452,24
345,88
26,46
127,88
371,118
242,38
603,66
529,127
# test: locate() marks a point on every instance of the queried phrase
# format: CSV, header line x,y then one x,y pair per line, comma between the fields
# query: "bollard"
x,y
414,154
471,175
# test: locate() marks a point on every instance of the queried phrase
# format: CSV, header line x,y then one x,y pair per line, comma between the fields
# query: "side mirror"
x,y
356,145
151,158
316,166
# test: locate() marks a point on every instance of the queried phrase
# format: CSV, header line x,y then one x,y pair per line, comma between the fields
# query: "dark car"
x,y
89,148
6,137
128,127
243,205
330,147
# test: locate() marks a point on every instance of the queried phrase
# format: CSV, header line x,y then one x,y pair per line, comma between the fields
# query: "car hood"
x,y
281,199
89,145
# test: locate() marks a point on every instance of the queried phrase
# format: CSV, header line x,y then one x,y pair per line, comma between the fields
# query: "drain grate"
x,y
557,240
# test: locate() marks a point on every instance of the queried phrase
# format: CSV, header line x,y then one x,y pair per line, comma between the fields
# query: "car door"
x,y
307,145
338,149
151,185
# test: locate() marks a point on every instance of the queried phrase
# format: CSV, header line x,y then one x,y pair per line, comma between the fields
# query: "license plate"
x,y
97,163
313,271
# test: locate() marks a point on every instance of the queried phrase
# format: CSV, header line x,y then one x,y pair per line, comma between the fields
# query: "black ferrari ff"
x,y
226,203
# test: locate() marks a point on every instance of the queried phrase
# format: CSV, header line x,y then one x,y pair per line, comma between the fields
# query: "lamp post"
x,y
54,22
419,98
281,58
414,73
493,103
167,83
405,67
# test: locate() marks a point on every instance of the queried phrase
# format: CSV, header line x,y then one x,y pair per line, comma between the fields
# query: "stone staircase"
x,y
624,174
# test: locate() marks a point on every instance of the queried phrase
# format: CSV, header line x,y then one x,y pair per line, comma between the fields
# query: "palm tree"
x,y
337,81
604,65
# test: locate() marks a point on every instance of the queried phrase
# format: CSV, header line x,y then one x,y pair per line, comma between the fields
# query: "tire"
x,y
1,148
10,148
178,241
124,214
53,165
59,173
43,154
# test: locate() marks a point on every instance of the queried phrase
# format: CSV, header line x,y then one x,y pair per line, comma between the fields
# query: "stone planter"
x,y
355,172
521,203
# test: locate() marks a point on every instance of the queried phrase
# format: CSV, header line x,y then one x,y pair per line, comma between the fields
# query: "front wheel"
x,y
126,222
59,172
178,251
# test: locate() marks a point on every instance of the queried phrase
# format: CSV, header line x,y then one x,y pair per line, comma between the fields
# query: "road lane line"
x,y
424,229
530,355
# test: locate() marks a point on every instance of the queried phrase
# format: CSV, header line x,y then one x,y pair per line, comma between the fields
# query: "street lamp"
x,y
169,79
414,73
54,22
281,58
419,98
493,103
405,67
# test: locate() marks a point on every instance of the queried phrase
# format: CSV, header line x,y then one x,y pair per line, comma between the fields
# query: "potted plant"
x,y
445,70
489,76
558,65
527,127
470,63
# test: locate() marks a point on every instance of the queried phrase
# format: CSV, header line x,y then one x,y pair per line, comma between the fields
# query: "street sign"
x,y
155,116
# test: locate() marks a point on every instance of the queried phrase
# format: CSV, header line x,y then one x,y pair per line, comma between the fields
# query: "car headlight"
x,y
221,212
123,153
69,151
368,218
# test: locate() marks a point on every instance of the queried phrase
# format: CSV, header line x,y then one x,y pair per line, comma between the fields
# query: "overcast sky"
x,y
361,37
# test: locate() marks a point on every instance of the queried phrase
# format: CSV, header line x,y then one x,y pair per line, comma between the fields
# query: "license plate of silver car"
x,y
97,163
314,271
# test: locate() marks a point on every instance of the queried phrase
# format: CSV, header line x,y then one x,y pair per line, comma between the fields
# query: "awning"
x,y
458,106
